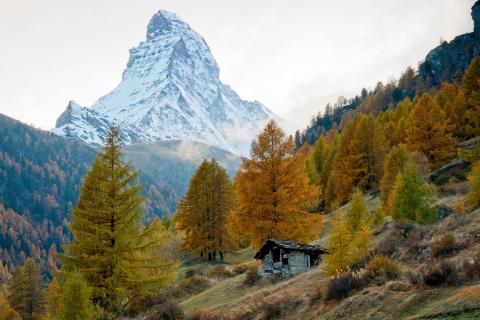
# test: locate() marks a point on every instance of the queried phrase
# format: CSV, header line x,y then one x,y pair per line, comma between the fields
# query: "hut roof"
x,y
288,246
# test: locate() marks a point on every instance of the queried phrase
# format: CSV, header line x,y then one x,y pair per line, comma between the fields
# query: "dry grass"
x,y
472,293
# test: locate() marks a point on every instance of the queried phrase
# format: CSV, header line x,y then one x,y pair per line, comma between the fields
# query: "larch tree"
x,y
53,299
396,160
27,292
362,243
430,132
411,198
111,249
6,311
471,91
75,301
204,212
339,246
358,214
273,192
473,198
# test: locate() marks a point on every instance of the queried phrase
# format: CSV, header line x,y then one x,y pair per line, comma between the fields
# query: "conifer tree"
x,y
75,301
395,161
204,212
471,91
430,132
27,295
6,311
473,198
411,198
379,215
54,294
362,243
358,214
272,190
339,245
111,249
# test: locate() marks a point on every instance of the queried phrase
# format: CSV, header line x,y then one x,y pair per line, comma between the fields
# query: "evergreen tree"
x,y
75,301
204,212
471,91
272,191
111,249
358,214
411,198
362,243
430,132
27,295
6,311
54,294
339,246
473,198
395,161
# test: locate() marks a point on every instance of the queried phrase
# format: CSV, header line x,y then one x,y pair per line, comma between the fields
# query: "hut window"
x,y
276,254
307,260
285,259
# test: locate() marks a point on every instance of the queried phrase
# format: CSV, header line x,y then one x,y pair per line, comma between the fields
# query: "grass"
x,y
224,293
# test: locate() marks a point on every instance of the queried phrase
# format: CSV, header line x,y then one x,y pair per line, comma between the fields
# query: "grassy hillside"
x,y
304,296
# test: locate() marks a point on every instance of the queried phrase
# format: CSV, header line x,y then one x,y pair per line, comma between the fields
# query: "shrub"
x,y
239,269
340,286
252,275
471,268
382,266
443,246
168,310
202,315
219,272
190,273
439,273
414,278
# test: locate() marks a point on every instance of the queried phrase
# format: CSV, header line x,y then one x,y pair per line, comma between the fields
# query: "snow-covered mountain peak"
x,y
170,90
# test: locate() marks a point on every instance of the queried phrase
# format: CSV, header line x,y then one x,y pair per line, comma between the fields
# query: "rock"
x,y
443,211
457,169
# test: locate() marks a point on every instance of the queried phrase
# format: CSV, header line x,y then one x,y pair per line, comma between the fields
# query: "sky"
x,y
293,56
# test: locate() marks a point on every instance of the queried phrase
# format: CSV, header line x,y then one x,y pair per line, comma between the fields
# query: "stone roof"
x,y
288,245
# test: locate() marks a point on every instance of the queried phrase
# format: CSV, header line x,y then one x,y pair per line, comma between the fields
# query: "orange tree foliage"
x,y
359,158
471,91
204,211
273,192
430,132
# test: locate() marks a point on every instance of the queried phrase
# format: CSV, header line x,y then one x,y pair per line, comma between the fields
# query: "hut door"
x,y
307,260
284,259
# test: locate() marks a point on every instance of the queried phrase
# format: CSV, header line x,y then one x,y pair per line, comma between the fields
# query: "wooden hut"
x,y
287,257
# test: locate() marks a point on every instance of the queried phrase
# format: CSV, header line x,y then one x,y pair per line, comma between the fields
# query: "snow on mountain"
x,y
170,90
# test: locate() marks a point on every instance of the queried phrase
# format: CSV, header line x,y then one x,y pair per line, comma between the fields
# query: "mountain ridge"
x,y
170,90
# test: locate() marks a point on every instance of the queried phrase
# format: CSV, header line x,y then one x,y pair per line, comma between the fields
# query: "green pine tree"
x,y
27,294
111,249
358,213
75,300
411,197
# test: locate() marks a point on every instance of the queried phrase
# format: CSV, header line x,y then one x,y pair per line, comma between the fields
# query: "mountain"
x,y
445,63
449,61
170,90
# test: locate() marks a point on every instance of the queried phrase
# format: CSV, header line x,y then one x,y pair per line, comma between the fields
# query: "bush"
x,y
443,246
252,275
413,278
219,272
202,315
239,269
382,266
439,273
168,310
471,268
340,286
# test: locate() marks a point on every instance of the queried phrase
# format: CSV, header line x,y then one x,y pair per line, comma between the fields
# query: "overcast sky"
x,y
293,56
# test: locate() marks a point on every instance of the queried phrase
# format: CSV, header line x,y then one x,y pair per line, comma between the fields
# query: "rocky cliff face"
x,y
170,90
449,61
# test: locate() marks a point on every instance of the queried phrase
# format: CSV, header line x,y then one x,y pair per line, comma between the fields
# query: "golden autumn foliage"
x,y
339,245
204,212
359,158
273,192
471,91
473,198
430,132
395,161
